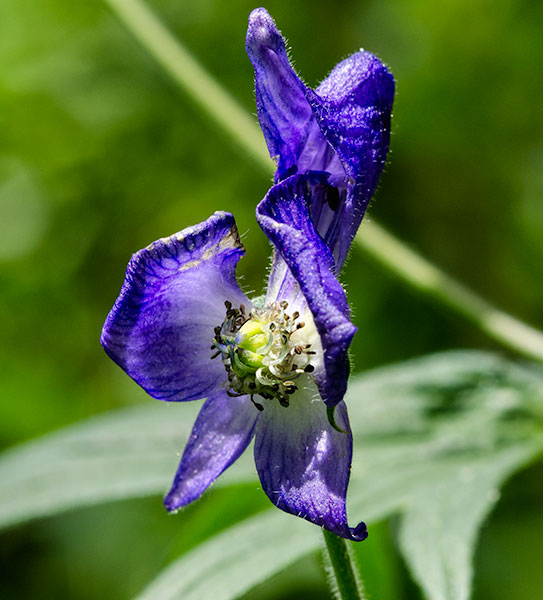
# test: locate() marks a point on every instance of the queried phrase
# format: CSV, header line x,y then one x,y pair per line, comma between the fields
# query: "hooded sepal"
x,y
342,128
283,111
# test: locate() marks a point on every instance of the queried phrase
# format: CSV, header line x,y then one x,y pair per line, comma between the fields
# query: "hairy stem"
x,y
221,108
341,568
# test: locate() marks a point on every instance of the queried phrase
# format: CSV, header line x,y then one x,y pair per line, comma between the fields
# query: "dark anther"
x,y
283,401
228,304
291,390
309,368
215,355
252,385
295,315
300,325
331,195
217,331
257,404
298,349
272,326
233,394
283,304
242,309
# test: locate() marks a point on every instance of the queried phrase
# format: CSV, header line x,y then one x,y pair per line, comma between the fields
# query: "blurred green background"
x,y
101,154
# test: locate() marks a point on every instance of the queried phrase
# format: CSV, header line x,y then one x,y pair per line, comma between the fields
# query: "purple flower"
x,y
276,367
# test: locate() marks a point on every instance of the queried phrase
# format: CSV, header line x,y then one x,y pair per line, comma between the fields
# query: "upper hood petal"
x,y
341,128
161,326
283,110
351,109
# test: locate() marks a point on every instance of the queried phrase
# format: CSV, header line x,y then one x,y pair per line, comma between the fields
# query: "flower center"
x,y
261,353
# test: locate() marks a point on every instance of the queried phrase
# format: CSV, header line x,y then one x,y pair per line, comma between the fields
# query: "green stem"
x,y
203,90
217,104
342,569
425,277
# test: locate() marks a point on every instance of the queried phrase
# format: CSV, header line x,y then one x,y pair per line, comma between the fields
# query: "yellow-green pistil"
x,y
259,353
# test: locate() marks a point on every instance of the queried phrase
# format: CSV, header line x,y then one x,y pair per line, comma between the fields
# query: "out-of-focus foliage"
x,y
100,155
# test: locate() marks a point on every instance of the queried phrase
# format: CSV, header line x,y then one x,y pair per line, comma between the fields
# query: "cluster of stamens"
x,y
260,352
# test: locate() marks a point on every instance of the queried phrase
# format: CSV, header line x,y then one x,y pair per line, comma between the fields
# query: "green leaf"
x,y
439,529
452,429
126,454
235,560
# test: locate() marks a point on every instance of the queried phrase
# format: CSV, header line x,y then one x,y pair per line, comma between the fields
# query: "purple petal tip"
x,y
359,533
364,72
171,504
262,33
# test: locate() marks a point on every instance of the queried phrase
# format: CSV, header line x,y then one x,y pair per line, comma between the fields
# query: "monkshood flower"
x,y
275,367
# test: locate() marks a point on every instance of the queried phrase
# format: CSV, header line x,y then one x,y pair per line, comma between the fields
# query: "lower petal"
x,y
222,431
304,463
